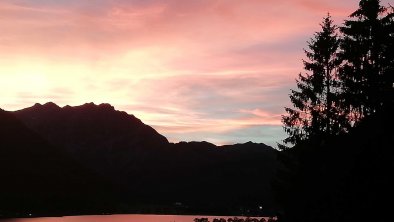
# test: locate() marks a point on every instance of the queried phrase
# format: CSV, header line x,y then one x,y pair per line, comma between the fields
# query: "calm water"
x,y
117,218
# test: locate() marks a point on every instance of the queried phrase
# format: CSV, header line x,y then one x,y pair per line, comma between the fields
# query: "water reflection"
x,y
118,218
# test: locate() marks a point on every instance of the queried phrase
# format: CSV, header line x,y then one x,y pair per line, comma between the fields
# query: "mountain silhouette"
x,y
145,168
38,177
101,138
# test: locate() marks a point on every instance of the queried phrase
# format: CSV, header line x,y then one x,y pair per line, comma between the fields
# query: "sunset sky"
x,y
213,70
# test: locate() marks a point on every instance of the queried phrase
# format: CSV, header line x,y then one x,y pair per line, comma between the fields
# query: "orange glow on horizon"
x,y
192,67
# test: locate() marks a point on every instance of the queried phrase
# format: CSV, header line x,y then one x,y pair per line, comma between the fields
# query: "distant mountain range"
x,y
109,161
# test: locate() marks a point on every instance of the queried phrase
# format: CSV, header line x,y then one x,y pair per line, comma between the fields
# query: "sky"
x,y
195,70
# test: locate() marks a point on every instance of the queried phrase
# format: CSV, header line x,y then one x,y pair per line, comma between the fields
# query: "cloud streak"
x,y
195,70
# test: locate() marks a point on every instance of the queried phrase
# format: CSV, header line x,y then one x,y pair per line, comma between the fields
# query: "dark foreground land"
x,y
92,159
346,178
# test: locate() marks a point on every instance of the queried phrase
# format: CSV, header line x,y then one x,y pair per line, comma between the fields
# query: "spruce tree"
x,y
315,112
366,49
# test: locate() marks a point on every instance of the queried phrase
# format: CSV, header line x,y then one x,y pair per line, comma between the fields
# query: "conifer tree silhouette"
x,y
316,111
367,52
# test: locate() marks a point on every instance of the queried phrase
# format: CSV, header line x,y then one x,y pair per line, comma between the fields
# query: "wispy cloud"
x,y
201,70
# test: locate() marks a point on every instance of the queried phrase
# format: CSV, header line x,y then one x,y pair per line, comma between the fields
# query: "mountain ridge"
x,y
51,106
146,168
37,177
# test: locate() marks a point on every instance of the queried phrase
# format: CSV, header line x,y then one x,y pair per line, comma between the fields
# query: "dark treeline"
x,y
338,159
349,75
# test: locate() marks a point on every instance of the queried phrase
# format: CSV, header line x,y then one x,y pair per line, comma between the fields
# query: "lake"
x,y
119,218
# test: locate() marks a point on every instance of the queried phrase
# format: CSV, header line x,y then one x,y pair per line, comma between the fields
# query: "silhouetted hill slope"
x,y
96,135
148,169
38,178
349,178
218,175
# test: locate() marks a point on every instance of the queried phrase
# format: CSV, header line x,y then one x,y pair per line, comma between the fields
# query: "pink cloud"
x,y
114,26
183,66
